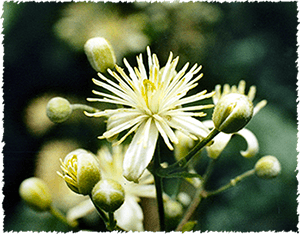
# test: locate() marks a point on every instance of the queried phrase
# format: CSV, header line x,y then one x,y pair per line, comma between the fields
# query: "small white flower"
x,y
222,139
111,167
152,105
111,164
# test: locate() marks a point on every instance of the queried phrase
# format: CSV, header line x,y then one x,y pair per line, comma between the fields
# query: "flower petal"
x,y
189,124
130,215
137,156
252,142
220,142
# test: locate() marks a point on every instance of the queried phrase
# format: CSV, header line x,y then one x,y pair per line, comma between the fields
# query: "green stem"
x,y
56,213
209,170
197,197
184,161
159,190
84,107
112,223
232,183
191,209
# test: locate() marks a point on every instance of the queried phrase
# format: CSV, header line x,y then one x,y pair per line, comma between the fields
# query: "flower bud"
x,y
267,167
232,112
100,54
81,171
36,194
184,198
58,109
173,211
108,195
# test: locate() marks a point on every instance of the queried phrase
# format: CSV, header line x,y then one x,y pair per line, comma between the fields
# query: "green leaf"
x,y
189,226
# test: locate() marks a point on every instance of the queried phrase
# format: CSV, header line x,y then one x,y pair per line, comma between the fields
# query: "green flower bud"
x,y
81,171
36,194
267,167
232,112
108,195
100,54
58,109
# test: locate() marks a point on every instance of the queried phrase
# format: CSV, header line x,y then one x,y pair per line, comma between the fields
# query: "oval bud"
x,y
232,112
100,54
108,195
36,194
267,167
81,171
58,109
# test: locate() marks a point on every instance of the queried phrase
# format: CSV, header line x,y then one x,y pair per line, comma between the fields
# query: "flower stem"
x,y
112,223
232,183
159,189
191,209
84,107
197,197
56,213
184,161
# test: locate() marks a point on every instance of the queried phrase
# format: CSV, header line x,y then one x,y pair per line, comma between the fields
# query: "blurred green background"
x,y
233,41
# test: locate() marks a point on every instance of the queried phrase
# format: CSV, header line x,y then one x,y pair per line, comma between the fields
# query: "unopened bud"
x,y
232,112
100,54
173,211
36,194
58,109
81,171
108,195
267,167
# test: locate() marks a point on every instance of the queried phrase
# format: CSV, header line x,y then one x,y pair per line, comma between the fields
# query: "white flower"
x,y
222,139
130,215
111,164
152,105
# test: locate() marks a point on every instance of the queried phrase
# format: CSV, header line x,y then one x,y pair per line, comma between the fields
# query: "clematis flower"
x,y
111,165
152,105
222,139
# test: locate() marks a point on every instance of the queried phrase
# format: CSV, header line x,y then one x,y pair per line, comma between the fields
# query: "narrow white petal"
x,y
252,148
147,190
251,93
163,134
166,128
137,157
121,124
189,124
259,106
112,87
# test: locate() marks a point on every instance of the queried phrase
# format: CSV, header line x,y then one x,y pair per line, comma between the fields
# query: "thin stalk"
x,y
56,213
159,189
112,222
232,183
197,197
184,161
84,107
191,209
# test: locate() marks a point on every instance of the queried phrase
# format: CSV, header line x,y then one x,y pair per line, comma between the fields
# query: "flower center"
x,y
151,100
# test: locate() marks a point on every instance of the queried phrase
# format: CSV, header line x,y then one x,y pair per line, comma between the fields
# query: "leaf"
x,y
189,226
